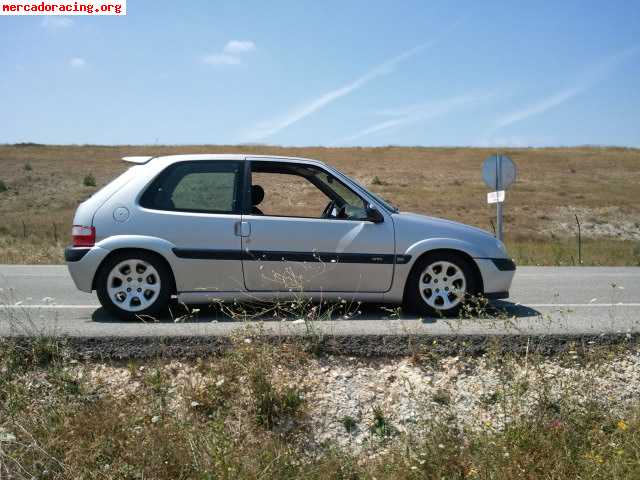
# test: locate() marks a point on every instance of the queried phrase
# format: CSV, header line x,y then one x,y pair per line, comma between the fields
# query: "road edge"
x,y
192,347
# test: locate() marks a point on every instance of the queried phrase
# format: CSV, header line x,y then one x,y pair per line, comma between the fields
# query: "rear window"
x,y
102,195
203,186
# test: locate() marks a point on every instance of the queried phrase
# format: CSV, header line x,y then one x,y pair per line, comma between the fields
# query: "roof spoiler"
x,y
138,160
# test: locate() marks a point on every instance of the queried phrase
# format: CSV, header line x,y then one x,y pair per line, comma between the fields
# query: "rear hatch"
x,y
87,209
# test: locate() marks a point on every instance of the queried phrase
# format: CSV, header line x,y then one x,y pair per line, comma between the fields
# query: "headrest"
x,y
257,194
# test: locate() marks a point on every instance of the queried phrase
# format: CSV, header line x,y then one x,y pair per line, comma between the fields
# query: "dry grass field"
x,y
260,411
40,187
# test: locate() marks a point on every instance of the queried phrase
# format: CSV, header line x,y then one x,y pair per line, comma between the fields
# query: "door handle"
x,y
242,229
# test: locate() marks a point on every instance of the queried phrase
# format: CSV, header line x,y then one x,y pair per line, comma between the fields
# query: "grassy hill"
x,y
40,187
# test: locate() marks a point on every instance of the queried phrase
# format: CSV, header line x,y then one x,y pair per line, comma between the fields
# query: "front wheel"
x,y
439,284
134,285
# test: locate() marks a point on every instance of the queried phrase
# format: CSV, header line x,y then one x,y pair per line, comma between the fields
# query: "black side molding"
x,y
504,264
401,259
321,257
207,254
73,254
275,256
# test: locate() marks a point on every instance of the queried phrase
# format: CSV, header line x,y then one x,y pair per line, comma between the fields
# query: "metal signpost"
x,y
498,172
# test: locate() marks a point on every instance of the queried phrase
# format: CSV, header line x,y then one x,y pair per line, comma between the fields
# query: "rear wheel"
x,y
439,284
133,285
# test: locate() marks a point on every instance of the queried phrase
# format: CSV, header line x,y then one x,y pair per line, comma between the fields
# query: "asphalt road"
x,y
544,300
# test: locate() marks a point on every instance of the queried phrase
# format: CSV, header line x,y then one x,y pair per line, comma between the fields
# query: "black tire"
x,y
413,300
159,305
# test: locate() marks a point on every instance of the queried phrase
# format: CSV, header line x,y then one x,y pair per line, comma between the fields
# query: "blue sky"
x,y
335,73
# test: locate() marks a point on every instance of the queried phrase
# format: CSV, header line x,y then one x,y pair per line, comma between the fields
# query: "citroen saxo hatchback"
x,y
220,227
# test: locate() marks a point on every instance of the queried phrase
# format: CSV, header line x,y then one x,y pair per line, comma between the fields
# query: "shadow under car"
x,y
216,313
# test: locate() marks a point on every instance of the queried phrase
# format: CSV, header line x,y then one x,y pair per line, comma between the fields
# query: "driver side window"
x,y
299,190
287,195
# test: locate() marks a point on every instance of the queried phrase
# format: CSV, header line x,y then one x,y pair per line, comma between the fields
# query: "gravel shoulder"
x,y
471,393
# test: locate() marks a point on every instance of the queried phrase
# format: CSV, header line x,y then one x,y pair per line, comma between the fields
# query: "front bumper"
x,y
83,263
504,264
497,275
496,295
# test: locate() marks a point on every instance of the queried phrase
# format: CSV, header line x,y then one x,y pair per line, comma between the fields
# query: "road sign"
x,y
498,172
495,197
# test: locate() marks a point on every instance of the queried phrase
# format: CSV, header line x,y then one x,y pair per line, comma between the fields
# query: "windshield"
x,y
388,206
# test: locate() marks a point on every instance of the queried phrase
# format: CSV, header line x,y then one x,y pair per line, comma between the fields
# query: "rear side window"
x,y
202,186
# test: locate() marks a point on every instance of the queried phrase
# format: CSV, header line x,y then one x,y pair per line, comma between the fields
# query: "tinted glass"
x,y
200,186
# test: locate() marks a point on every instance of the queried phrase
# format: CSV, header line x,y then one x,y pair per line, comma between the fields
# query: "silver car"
x,y
225,227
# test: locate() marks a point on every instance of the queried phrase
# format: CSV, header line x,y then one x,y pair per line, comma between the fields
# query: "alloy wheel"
x,y
442,285
133,285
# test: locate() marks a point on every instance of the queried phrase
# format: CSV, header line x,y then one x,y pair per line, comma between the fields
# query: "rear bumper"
x,y
83,263
74,254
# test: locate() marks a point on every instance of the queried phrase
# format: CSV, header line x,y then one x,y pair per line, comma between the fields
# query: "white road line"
x,y
47,275
577,273
532,305
578,305
49,307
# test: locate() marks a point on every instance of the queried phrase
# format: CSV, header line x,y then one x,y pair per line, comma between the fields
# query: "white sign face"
x,y
495,197
498,171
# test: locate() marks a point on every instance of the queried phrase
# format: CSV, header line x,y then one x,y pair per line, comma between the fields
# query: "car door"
x,y
289,245
196,206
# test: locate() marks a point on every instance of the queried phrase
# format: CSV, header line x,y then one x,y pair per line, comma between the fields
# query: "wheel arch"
x,y
465,255
132,250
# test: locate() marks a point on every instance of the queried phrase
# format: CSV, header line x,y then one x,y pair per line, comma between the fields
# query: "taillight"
x,y
83,236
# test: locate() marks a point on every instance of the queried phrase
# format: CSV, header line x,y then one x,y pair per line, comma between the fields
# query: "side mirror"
x,y
374,215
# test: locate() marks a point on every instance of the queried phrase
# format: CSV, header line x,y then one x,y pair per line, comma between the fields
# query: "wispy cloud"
x,y
542,106
234,47
231,54
418,113
77,62
586,82
56,23
269,128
